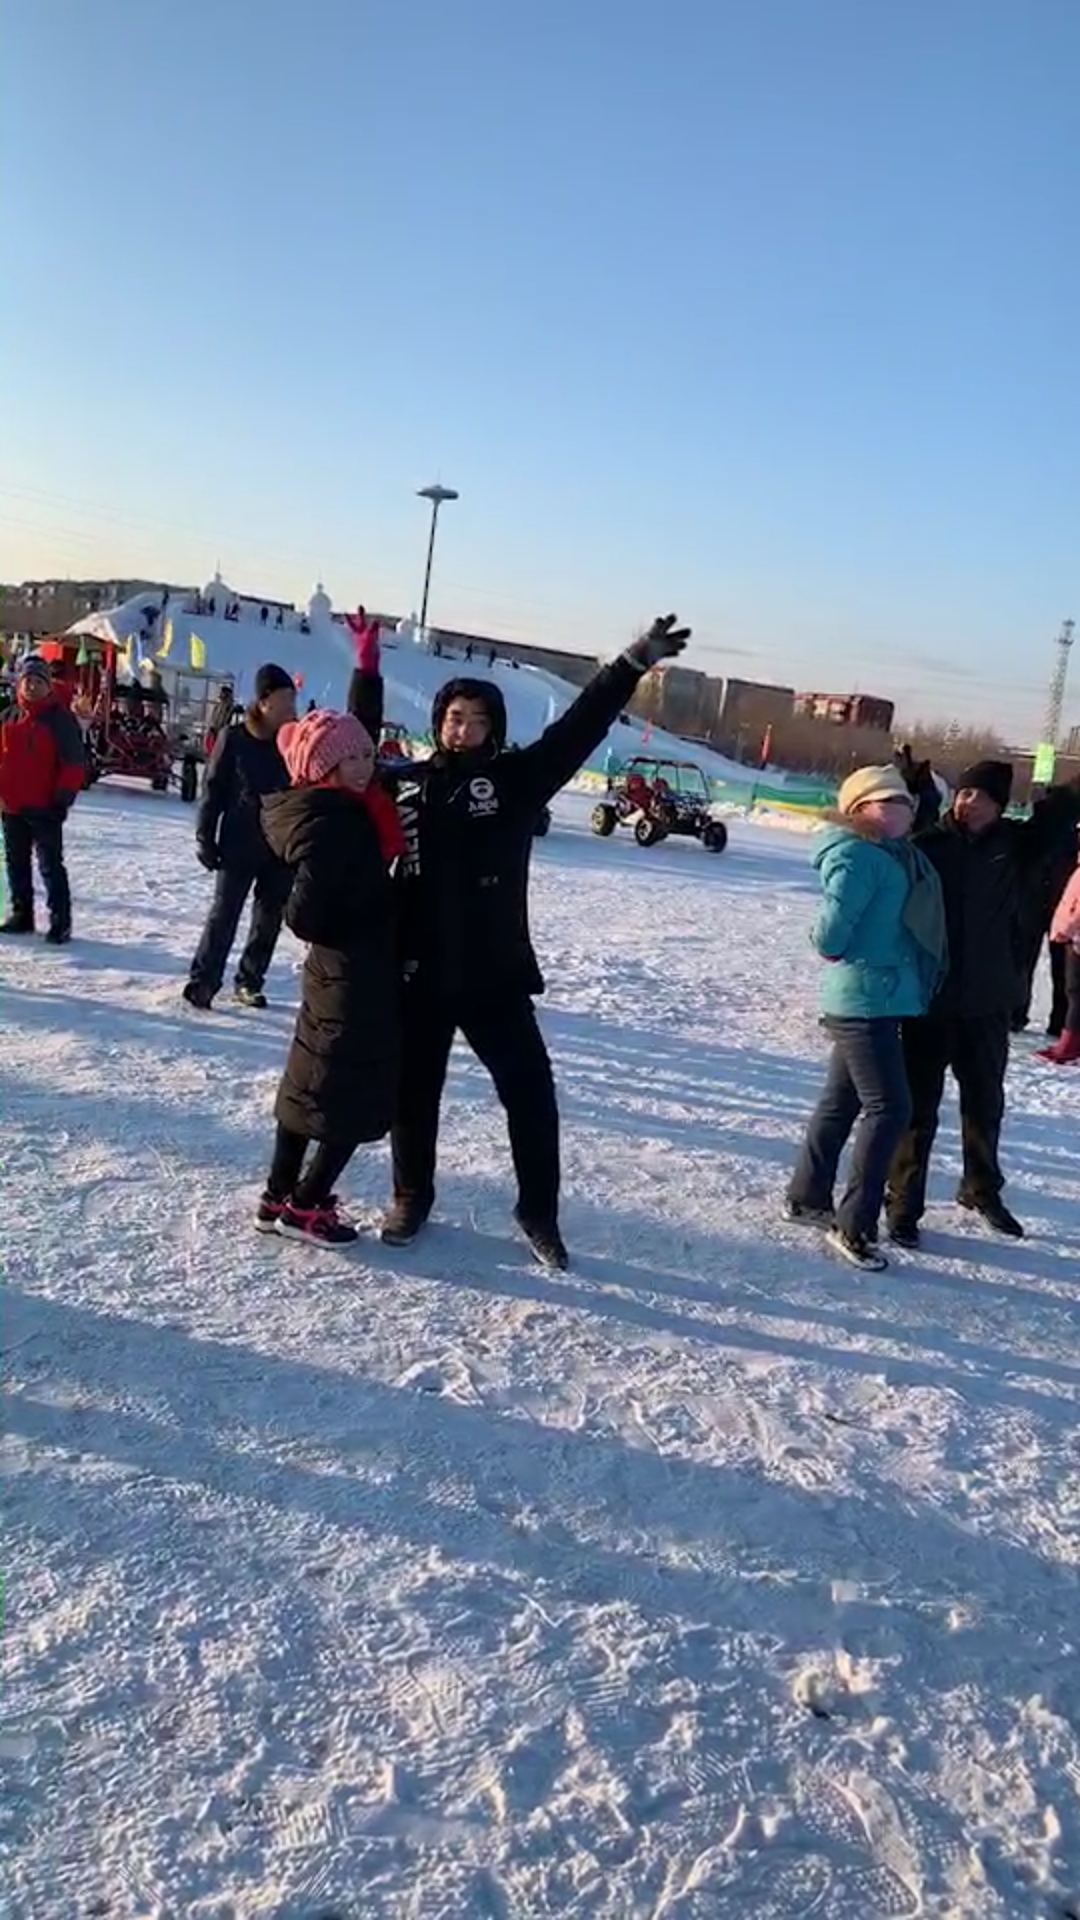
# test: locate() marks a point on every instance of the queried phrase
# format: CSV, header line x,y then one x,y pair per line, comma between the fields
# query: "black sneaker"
x,y
198,997
904,1233
545,1240
322,1224
803,1216
403,1221
250,997
857,1250
995,1213
16,923
58,936
268,1214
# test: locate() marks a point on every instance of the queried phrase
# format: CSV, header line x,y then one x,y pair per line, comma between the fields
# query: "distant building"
x,y
730,715
847,709
36,608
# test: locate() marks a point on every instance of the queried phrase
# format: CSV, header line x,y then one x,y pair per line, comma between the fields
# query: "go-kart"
x,y
657,797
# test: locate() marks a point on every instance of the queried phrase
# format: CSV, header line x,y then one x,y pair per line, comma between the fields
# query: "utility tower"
x,y
1056,697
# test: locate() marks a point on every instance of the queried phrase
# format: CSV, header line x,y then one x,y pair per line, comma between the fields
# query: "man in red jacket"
x,y
42,768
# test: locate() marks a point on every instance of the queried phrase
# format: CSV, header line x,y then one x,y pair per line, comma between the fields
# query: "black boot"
x,y
404,1220
18,923
995,1213
545,1240
58,935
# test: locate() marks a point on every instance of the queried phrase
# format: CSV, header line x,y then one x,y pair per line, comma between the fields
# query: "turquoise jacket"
x,y
881,923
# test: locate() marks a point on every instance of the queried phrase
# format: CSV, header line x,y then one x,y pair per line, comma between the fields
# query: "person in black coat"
x,y
245,766
337,836
985,863
469,814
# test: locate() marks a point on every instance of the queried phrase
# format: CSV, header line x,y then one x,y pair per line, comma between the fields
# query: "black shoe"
x,y
250,997
802,1216
268,1214
403,1221
17,923
58,936
545,1240
904,1233
995,1213
198,997
857,1250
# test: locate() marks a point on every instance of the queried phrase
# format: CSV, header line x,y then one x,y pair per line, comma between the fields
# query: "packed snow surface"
x,y
707,1579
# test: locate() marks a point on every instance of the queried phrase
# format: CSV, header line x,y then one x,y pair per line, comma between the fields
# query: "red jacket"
x,y
42,761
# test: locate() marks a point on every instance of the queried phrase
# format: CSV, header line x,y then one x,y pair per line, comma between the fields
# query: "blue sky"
x,y
766,309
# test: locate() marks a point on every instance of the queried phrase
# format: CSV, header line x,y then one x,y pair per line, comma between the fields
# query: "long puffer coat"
x,y
341,1073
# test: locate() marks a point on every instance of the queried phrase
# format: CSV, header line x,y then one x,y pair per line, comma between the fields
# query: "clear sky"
x,y
764,309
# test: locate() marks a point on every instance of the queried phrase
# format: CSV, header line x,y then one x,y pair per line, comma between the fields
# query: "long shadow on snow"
x,y
752,1530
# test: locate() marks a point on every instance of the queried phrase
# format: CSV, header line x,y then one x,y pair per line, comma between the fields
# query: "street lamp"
x,y
436,495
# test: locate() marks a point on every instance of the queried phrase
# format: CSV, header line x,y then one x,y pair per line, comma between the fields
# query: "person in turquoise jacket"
x,y
881,928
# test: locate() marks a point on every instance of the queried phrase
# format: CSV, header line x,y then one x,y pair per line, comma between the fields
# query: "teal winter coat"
x,y
881,923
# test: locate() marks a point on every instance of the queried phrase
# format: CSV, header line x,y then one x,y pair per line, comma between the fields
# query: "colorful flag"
x,y
166,641
1042,773
198,654
82,658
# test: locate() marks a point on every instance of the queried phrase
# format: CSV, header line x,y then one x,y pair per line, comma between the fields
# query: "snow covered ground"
x,y
709,1579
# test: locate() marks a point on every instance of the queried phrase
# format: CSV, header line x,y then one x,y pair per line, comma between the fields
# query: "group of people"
x,y
926,922
408,882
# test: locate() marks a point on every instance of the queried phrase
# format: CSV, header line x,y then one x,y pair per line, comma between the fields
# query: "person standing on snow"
x,y
882,925
336,833
1065,940
244,767
42,769
469,815
984,862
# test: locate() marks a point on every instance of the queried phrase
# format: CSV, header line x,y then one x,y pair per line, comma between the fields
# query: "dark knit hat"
x,y
33,667
992,777
270,679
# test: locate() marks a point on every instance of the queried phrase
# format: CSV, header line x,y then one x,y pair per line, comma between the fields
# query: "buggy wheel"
x,y
603,819
648,833
714,836
189,779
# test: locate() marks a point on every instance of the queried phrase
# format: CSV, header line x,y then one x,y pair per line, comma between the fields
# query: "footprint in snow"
x,y
451,1380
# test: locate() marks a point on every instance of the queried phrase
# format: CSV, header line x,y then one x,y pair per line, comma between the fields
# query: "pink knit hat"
x,y
312,747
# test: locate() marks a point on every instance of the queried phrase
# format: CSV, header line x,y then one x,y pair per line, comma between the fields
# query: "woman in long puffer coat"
x,y
339,835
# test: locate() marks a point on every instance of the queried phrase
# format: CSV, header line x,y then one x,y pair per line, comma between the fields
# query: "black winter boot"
x,y
404,1220
995,1213
18,923
545,1240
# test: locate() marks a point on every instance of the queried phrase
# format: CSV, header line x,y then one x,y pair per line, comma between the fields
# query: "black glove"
x,y
918,774
208,855
664,641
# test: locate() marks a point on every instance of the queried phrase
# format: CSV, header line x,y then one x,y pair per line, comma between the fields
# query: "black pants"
x,y
866,1077
309,1186
1070,961
1057,983
978,1053
231,890
504,1034
42,833
1059,989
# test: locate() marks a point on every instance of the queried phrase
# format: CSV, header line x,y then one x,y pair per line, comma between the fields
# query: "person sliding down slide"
x,y
468,815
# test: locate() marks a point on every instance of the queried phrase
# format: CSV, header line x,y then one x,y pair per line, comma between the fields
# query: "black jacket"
x,y
469,821
243,769
986,881
340,1077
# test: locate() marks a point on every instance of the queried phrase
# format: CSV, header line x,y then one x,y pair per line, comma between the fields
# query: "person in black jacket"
x,y
1044,886
984,862
244,767
337,834
469,815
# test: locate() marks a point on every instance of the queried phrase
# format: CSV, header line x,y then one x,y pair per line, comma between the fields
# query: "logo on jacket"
x,y
482,796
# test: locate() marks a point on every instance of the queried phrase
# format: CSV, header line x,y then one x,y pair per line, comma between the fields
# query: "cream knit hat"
x,y
872,783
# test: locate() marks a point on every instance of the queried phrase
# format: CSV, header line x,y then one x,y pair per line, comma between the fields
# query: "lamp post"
x,y
436,495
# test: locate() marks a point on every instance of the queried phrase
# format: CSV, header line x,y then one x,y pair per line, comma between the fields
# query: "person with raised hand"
x,y
469,815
